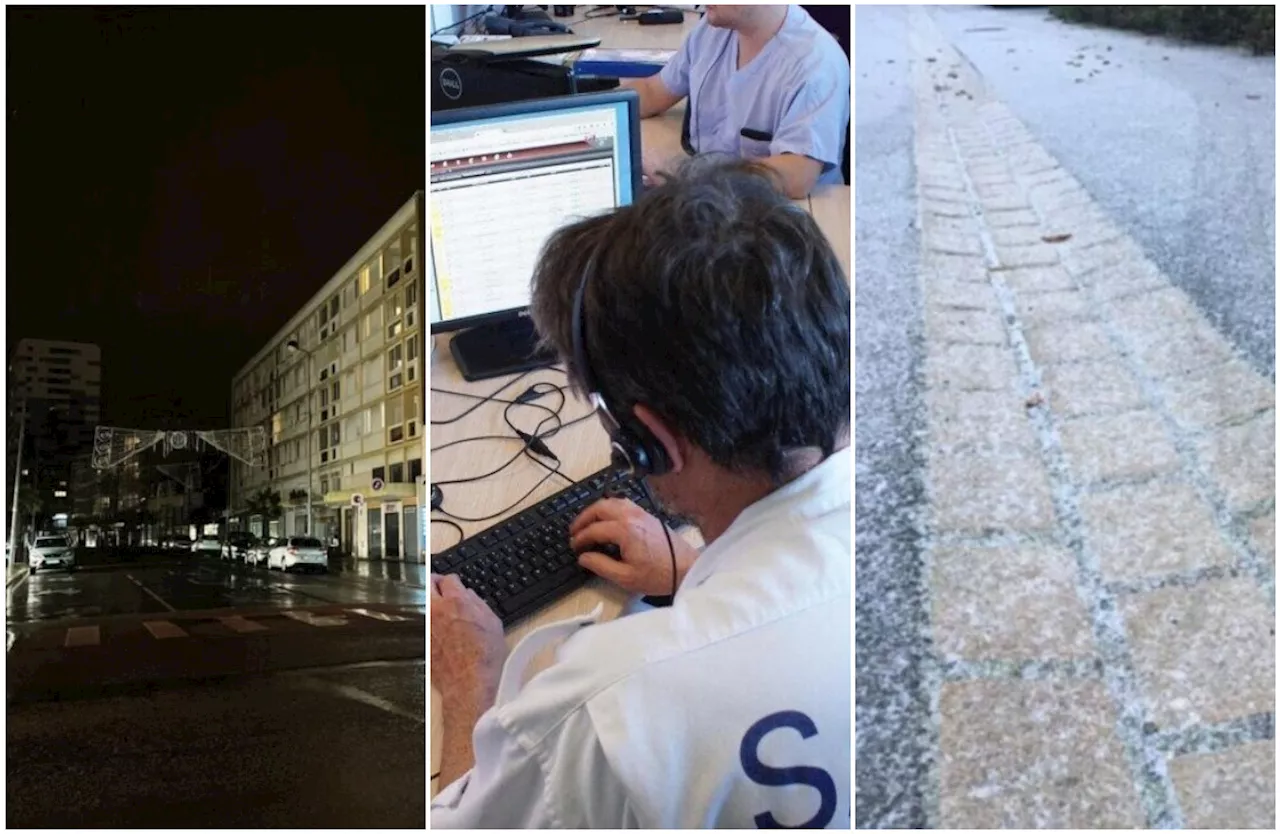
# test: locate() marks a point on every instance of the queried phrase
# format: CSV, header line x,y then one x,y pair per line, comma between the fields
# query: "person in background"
x,y
764,83
715,326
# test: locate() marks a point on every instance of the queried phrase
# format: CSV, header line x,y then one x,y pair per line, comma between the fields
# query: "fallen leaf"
x,y
1059,238
1035,399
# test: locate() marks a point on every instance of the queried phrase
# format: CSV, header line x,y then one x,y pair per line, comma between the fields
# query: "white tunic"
x,y
730,709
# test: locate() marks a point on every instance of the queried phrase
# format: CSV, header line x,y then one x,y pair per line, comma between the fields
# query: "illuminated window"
x,y
364,280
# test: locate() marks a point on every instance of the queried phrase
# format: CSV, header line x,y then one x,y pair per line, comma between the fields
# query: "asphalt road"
x,y
189,583
1176,142
890,708
325,748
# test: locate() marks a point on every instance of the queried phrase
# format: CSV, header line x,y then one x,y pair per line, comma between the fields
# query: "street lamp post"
x,y
294,347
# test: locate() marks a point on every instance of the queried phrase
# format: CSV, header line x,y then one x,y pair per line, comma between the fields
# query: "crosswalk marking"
x,y
240,624
378,615
315,619
163,629
83,636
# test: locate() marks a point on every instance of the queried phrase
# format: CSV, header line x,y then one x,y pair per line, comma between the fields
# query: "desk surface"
x,y
582,448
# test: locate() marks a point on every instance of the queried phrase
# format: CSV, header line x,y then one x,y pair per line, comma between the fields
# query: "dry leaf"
x,y
1060,238
1035,399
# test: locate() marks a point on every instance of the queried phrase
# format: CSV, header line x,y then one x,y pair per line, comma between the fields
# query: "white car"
x,y
257,552
297,552
207,544
50,552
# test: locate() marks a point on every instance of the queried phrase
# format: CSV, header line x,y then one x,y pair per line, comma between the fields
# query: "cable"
x,y
461,535
671,548
461,23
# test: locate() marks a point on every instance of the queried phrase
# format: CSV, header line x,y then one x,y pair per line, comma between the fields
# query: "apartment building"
x,y
54,403
339,390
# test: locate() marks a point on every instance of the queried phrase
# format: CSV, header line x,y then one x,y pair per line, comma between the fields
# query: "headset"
x,y
633,447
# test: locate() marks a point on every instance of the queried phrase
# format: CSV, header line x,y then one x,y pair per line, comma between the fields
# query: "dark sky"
x,y
181,181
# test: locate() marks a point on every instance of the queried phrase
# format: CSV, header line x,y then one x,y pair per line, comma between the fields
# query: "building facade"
x,y
54,403
339,391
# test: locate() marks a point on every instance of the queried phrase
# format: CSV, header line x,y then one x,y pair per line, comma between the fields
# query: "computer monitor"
x,y
503,178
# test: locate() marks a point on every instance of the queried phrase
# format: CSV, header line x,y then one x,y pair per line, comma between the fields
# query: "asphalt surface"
x,y
189,583
324,748
890,706
1176,141
1175,150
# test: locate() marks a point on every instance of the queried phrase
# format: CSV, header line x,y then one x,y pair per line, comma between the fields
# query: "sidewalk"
x,y
406,573
1100,531
15,574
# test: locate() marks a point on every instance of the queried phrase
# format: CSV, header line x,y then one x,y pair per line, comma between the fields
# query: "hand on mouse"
x,y
643,565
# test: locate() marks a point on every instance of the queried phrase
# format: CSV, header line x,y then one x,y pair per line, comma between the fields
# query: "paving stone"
x,y
979,491
970,367
1038,279
964,295
979,420
1037,254
952,225
945,209
1167,334
1011,218
1230,789
1131,445
1089,234
1126,278
1217,394
1040,309
1068,341
1152,530
1032,754
1241,460
1044,173
953,243
956,264
940,194
1016,236
1092,388
1007,603
1203,653
1084,261
991,192
1263,532
1004,202
981,327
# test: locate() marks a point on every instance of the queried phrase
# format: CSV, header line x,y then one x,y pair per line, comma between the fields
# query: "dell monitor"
x,y
503,178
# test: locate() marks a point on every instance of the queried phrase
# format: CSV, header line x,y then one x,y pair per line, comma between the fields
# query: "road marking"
x,y
378,615
315,619
149,592
163,629
355,694
240,624
83,636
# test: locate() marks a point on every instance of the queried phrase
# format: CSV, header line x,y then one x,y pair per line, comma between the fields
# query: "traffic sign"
x,y
356,499
377,484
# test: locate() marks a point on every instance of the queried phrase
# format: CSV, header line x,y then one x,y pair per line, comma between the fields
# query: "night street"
x,y
196,692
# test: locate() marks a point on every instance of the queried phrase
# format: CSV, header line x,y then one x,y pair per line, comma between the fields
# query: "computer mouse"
x,y
437,497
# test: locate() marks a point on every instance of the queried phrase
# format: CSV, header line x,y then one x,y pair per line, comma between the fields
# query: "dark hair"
x,y
716,302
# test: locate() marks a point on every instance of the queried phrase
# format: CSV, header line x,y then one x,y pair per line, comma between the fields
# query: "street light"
x,y
294,347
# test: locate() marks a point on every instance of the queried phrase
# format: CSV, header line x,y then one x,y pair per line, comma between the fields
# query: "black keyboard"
x,y
524,563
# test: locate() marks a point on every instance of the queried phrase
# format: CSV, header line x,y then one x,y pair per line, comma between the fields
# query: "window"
x,y
415,470
395,329
408,248
372,322
411,306
397,473
395,368
379,474
411,359
350,338
393,277
395,420
328,437
327,318
415,412
364,280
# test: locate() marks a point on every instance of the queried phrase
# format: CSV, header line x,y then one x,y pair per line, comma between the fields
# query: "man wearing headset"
x,y
763,82
709,323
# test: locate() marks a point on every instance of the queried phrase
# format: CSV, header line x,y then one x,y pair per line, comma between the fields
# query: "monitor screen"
x,y
503,178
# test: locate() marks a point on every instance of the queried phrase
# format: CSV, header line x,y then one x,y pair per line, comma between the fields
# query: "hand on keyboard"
x,y
643,564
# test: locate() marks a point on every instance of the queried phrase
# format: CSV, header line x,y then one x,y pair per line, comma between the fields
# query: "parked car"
x,y
207,544
257,552
298,553
50,552
237,545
